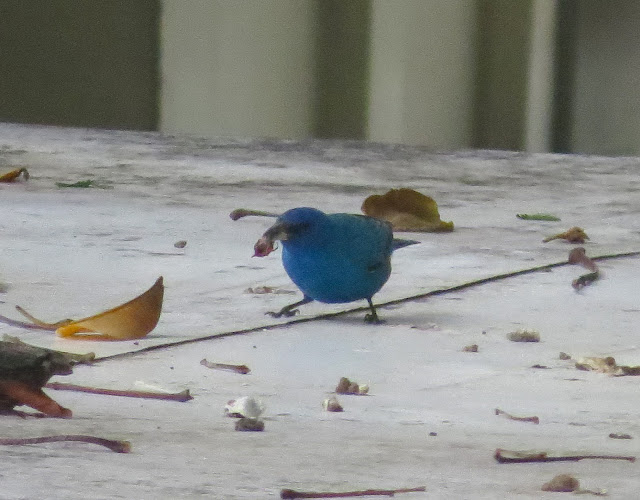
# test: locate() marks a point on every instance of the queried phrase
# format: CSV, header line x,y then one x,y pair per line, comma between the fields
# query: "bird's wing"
x,y
362,238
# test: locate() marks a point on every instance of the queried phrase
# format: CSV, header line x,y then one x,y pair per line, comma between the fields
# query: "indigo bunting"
x,y
332,258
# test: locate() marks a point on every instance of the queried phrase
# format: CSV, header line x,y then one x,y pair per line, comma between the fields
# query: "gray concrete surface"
x,y
75,252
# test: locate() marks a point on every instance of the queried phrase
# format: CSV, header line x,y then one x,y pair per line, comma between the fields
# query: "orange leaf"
x,y
573,235
407,210
132,320
14,174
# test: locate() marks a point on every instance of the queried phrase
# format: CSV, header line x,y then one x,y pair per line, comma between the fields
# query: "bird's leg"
x,y
372,317
290,310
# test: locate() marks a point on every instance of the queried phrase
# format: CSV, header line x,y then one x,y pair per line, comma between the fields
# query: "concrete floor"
x,y
74,252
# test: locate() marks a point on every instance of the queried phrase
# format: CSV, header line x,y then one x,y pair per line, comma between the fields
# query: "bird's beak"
x,y
265,245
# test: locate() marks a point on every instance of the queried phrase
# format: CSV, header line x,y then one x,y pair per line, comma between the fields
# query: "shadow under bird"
x,y
332,258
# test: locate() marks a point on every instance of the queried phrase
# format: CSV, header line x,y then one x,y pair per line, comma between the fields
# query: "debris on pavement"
x,y
249,425
407,210
242,369
74,358
574,235
606,365
518,457
291,494
332,404
346,386
131,320
579,256
620,435
562,483
534,419
14,175
470,348
244,407
181,396
239,213
24,370
541,217
262,290
522,335
84,184
113,445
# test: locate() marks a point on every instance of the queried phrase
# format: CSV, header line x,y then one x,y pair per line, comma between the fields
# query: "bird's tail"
x,y
400,243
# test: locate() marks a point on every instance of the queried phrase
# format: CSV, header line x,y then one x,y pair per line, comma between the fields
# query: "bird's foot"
x,y
287,313
373,319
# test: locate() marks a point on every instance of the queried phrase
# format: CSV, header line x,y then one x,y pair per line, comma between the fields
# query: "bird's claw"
x,y
373,319
287,313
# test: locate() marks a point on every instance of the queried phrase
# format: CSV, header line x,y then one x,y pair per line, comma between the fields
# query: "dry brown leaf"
x,y
132,320
406,210
573,235
606,365
14,174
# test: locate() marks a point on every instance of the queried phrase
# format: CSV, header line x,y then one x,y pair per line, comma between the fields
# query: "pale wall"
x,y
237,68
606,105
423,72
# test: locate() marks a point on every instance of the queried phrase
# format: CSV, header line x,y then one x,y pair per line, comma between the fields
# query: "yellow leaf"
x,y
407,210
573,235
14,174
132,320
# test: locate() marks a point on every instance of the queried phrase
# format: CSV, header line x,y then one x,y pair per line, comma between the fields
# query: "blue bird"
x,y
332,258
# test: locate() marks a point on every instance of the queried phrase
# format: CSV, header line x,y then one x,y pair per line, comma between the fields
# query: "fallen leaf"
x,y
524,336
131,320
79,184
606,365
406,210
573,235
14,174
597,364
87,183
543,217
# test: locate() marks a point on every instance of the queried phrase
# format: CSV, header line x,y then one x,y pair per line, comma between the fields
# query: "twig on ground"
x,y
117,446
239,213
289,494
243,369
534,419
21,324
518,457
181,396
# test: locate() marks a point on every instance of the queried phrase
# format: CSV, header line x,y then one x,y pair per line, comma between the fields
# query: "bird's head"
x,y
294,225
